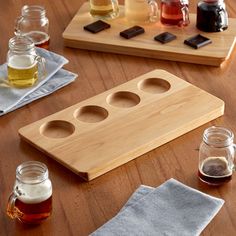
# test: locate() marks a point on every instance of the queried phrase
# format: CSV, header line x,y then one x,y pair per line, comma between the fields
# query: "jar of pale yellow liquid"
x,y
141,11
24,66
104,9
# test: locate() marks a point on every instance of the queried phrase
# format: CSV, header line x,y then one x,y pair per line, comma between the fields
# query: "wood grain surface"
x,y
144,45
147,112
81,207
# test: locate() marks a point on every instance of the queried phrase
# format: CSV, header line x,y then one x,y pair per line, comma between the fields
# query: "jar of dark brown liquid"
x,y
31,198
216,156
212,16
34,24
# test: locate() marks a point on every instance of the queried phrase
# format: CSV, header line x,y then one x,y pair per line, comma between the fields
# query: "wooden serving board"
x,y
114,127
144,45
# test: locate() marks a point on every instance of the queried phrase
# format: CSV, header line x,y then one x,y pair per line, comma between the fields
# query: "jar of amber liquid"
x,y
216,156
31,198
34,24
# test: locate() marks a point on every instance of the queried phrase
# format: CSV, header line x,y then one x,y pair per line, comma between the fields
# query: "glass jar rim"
x,y
218,136
33,11
213,1
32,172
21,42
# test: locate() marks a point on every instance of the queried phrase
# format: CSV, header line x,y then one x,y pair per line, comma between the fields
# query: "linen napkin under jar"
x,y
12,98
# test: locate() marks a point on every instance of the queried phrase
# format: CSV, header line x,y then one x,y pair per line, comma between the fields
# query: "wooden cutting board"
x,y
144,45
103,132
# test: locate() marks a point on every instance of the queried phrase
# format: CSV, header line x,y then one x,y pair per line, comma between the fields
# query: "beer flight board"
x,y
144,45
107,130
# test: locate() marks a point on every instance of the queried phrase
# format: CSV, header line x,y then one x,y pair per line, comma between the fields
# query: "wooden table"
x,y
81,207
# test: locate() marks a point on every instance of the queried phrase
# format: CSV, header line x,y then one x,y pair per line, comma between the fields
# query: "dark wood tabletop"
x,y
81,207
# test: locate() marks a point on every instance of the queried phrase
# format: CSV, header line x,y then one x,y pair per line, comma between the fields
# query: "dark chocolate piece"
x,y
165,37
197,41
131,32
97,26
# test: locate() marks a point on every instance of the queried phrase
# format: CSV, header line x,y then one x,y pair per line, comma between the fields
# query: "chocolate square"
x,y
165,37
132,32
97,26
197,41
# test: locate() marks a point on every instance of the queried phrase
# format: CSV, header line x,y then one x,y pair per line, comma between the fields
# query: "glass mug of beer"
x,y
174,12
34,24
216,156
104,9
31,199
141,11
23,64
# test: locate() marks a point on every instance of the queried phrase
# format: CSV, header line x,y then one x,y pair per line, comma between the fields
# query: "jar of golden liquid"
x,y
24,66
31,199
34,24
104,9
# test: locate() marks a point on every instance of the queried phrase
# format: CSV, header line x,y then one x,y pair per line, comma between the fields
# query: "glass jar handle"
x,y
185,13
153,10
42,65
234,161
12,210
222,17
17,25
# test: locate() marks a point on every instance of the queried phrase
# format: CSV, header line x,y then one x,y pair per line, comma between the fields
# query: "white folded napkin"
x,y
12,98
173,209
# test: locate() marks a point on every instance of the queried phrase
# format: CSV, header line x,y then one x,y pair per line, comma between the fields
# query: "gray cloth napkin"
x,y
172,209
56,78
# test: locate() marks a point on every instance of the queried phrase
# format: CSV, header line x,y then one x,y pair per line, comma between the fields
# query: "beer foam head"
x,y
22,61
35,193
